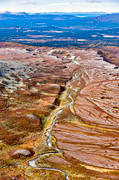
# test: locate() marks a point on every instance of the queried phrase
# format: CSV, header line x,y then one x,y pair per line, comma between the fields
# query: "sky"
x,y
33,6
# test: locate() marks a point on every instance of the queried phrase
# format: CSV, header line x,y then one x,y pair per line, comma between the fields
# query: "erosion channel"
x,y
51,121
59,117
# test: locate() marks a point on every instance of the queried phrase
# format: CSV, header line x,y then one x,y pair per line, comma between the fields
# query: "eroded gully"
x,y
51,121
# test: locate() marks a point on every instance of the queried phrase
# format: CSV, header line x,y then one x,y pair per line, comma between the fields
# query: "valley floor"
x,y
59,114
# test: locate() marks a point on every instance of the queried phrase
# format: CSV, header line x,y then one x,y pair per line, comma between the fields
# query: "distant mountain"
x,y
52,28
101,22
68,20
10,15
108,18
81,14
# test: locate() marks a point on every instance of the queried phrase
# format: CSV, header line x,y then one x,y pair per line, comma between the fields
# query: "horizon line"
x,y
58,12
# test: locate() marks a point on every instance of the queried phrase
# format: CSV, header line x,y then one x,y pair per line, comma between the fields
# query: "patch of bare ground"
x,y
31,82
88,133
110,54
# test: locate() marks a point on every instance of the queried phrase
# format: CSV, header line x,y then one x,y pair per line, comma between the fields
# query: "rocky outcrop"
x,y
20,153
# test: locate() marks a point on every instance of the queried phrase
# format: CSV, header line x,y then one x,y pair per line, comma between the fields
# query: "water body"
x,y
48,131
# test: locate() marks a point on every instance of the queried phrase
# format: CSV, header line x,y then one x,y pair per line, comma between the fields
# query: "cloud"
x,y
59,4
29,2
94,1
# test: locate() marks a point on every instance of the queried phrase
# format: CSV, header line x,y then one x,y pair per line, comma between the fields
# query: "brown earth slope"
x,y
37,81
31,82
88,134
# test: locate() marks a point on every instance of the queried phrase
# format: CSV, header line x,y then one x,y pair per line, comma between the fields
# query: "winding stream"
x,y
32,163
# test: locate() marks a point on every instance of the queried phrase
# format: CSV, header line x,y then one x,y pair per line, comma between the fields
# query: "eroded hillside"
x,y
59,114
